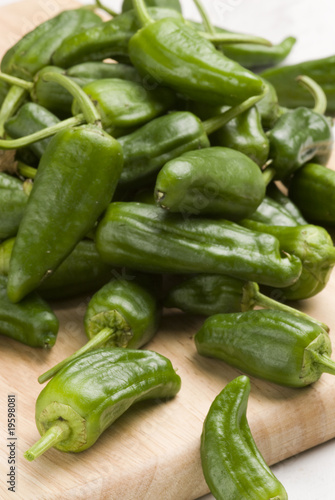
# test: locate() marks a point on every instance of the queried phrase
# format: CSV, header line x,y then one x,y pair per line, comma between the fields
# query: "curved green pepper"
x,y
233,466
273,345
314,247
312,188
146,238
169,4
30,322
121,314
109,40
13,200
177,56
216,181
276,194
31,118
90,393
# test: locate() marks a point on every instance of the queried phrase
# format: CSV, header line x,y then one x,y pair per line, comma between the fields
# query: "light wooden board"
x,y
152,451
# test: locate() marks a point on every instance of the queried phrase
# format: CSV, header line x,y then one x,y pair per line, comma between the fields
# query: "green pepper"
x,y
232,464
231,188
13,200
276,194
90,393
67,198
81,272
312,188
314,247
169,4
122,313
31,118
146,238
4,87
177,56
99,70
30,322
272,213
292,95
268,107
109,40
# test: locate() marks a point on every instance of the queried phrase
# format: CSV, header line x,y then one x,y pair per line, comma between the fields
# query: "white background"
x,y
310,475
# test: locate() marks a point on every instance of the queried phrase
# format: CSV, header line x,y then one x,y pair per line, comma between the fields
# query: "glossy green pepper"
x,y
109,40
121,314
60,213
272,213
217,181
291,94
278,196
13,200
268,107
273,345
99,70
314,247
90,393
232,464
146,238
170,4
177,56
312,188
30,322
31,118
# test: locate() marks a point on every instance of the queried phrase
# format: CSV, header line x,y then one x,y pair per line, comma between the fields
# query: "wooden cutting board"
x,y
152,451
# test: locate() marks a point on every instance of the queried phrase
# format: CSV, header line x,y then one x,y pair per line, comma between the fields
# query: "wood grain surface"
x,y
152,451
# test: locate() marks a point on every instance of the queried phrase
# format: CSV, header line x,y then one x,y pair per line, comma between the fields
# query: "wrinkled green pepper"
x,y
312,188
232,464
278,196
121,314
109,40
30,322
216,181
177,56
273,345
170,4
146,238
90,393
13,200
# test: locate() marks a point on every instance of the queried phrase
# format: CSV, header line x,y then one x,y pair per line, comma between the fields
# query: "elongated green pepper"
x,y
121,314
146,238
170,4
177,56
278,196
313,189
273,345
233,466
217,181
60,213
90,393
13,200
109,40
30,322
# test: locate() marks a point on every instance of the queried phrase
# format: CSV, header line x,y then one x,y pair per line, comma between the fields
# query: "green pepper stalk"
x,y
109,11
91,392
205,18
231,462
26,171
13,100
319,96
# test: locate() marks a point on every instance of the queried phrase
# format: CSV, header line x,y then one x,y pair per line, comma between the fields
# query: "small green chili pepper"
x,y
109,40
161,49
276,194
30,322
67,198
273,345
216,181
312,188
147,238
13,200
90,393
121,314
232,464
169,4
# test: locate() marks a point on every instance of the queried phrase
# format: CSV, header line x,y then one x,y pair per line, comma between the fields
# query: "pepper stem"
x,y
327,364
26,171
205,17
222,38
18,82
97,341
11,103
142,12
53,435
320,98
106,9
216,122
42,134
268,175
252,297
87,107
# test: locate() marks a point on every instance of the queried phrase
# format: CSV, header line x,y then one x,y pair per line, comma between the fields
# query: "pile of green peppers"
x,y
177,158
